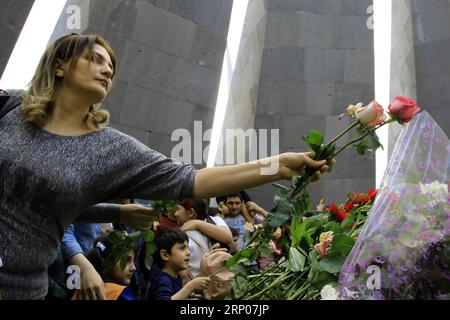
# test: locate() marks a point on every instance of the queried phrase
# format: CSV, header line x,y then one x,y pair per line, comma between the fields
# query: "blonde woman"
x,y
58,157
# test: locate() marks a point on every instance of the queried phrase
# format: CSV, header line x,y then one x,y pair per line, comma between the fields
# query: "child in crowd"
x,y
203,235
172,257
117,279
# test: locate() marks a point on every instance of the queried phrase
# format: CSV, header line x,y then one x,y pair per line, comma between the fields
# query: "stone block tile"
x,y
283,97
146,66
359,66
426,61
293,128
334,126
115,99
208,49
430,22
288,5
283,64
346,93
319,29
285,29
212,14
164,73
351,32
163,4
324,65
356,7
163,30
151,110
112,17
433,92
195,84
441,117
319,98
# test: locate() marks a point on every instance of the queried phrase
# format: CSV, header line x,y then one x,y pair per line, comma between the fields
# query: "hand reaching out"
x,y
138,216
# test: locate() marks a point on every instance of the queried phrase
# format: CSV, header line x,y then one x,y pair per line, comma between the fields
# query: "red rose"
x,y
370,195
403,109
341,215
349,206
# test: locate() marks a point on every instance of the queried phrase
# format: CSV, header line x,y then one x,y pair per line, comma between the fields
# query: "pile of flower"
x,y
315,249
315,246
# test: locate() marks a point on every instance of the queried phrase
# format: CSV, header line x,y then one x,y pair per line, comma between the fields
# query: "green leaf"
x,y
150,248
332,262
114,238
297,232
333,226
342,244
314,139
374,141
296,260
282,211
323,278
238,269
148,261
123,263
283,205
265,250
149,235
362,147
347,222
315,223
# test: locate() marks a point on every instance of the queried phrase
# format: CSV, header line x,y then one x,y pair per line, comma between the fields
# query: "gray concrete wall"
x,y
318,58
431,25
170,58
13,17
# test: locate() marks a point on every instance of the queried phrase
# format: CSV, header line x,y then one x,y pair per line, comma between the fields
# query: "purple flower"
x,y
430,125
438,140
417,269
439,163
379,260
403,268
390,268
421,165
441,294
446,275
391,275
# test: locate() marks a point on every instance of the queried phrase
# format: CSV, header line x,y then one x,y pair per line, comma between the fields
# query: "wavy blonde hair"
x,y
38,100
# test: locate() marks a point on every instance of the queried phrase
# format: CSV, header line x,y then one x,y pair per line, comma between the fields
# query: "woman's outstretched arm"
x,y
211,182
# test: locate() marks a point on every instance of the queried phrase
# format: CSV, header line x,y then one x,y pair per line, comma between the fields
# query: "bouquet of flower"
x,y
315,255
403,251
315,246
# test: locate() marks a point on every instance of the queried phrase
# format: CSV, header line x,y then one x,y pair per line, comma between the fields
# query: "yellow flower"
x,y
351,109
326,236
249,227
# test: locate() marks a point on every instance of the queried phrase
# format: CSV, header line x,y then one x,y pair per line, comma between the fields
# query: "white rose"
x,y
328,293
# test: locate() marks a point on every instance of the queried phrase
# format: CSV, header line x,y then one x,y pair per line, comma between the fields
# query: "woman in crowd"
x,y
58,158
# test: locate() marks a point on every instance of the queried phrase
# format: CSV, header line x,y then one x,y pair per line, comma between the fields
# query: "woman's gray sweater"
x,y
47,181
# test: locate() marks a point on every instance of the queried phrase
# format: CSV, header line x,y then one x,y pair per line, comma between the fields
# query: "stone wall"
x,y
318,58
431,25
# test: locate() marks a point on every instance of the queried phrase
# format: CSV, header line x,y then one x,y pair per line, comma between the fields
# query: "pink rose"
x,y
403,109
371,115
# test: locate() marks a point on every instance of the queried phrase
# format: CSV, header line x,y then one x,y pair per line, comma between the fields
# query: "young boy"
x,y
172,256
